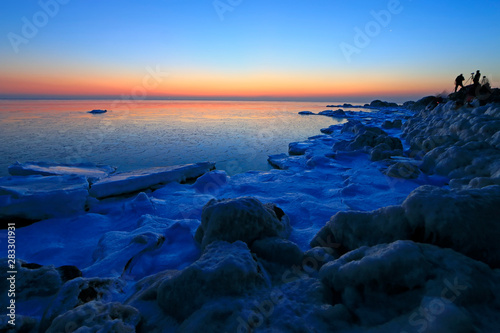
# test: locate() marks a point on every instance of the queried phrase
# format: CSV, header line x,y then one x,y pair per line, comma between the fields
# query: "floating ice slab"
x,y
38,197
98,111
130,182
92,171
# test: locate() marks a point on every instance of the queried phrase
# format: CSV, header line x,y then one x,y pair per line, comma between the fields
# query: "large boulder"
x,y
420,286
245,219
466,221
224,270
97,317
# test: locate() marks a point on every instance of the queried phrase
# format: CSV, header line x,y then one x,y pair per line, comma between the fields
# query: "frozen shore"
x,y
387,223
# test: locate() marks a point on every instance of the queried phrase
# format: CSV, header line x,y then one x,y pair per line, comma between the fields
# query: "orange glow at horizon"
x,y
206,85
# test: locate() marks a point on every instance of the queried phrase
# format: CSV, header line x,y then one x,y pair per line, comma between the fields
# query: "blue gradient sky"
x,y
260,49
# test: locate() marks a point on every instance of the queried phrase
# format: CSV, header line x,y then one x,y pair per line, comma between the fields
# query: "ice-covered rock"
x,y
78,292
211,182
334,114
306,113
224,270
388,124
298,148
405,170
384,151
23,324
278,250
135,181
466,221
42,197
245,219
97,317
331,129
92,171
457,143
34,281
420,286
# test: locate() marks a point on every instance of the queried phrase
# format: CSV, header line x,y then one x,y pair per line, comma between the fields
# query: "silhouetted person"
x,y
485,81
459,82
477,77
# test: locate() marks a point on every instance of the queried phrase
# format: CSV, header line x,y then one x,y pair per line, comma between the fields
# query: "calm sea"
x,y
238,136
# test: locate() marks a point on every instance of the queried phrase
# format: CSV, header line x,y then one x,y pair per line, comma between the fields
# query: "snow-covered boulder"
x,y
39,197
78,292
405,170
92,171
34,280
466,221
420,286
135,181
211,182
97,317
245,219
298,148
383,151
224,270
278,250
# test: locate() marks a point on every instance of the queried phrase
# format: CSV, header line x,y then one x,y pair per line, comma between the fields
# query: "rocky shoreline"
x,y
387,223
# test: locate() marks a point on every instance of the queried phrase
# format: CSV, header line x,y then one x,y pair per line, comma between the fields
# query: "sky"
x,y
350,50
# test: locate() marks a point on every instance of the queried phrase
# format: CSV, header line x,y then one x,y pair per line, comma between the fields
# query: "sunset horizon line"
x,y
353,98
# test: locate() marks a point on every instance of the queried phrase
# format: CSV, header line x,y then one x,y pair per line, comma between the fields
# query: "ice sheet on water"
x,y
92,171
38,197
134,181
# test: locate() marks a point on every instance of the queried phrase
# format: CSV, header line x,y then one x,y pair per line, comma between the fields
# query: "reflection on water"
x,y
238,136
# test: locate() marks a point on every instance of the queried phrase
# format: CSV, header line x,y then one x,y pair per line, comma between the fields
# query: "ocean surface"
x,y
238,136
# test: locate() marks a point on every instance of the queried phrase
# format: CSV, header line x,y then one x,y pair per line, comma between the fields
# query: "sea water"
x,y
237,136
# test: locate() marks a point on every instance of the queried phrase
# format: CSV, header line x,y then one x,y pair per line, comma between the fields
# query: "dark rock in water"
x,y
245,219
380,104
224,269
336,114
98,111
306,112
